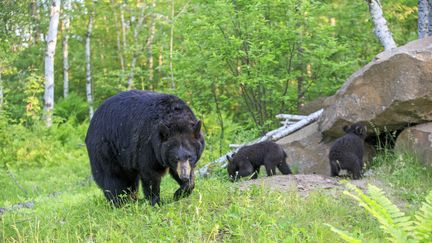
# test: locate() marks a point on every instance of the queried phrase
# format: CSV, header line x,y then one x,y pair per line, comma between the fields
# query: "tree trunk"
x,y
120,30
381,29
88,66
150,43
136,52
49,62
220,118
172,46
160,63
66,25
430,19
1,92
422,24
35,21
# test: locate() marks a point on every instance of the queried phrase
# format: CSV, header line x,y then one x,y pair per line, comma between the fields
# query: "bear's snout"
x,y
183,170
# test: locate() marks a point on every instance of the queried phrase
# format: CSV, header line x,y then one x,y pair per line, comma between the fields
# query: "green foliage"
x,y
423,223
38,146
396,224
74,107
34,88
244,60
412,178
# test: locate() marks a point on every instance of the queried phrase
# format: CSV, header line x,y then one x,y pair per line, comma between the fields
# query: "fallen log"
x,y
291,117
272,135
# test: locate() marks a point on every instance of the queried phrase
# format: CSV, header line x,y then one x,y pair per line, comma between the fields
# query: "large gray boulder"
x,y
417,140
393,90
307,151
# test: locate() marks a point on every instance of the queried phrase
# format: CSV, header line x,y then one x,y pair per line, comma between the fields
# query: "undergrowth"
x,y
54,175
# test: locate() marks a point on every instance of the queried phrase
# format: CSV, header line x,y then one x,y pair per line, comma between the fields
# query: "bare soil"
x,y
304,184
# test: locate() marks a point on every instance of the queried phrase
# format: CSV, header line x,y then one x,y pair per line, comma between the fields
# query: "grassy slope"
x,y
217,210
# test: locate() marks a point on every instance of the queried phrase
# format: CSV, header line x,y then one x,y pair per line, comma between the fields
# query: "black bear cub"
x,y
140,135
248,159
347,151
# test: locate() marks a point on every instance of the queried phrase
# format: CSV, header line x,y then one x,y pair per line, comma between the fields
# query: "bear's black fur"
x,y
248,159
140,135
347,151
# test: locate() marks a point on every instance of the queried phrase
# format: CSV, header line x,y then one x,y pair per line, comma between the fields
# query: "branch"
x,y
381,29
272,135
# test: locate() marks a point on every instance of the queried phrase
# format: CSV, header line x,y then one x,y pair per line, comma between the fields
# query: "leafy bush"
x,y
38,146
72,107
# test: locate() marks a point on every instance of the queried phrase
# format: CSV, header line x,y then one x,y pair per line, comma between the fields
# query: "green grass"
x,y
406,176
216,211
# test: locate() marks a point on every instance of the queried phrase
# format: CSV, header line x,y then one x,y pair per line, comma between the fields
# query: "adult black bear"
x,y
141,135
347,151
248,159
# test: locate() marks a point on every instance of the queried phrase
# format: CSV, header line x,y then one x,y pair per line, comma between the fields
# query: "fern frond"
x,y
392,220
344,235
423,223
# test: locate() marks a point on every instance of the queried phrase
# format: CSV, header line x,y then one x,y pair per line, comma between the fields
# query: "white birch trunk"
x,y
136,53
172,46
423,21
150,42
381,29
66,24
88,66
290,117
49,62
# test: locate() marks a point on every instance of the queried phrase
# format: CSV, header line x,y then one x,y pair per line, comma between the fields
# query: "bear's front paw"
x,y
155,200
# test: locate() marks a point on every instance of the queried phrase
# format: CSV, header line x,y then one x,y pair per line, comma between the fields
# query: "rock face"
x,y
307,152
393,90
417,140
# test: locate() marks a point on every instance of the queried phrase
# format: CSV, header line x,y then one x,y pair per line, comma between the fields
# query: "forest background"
x,y
237,63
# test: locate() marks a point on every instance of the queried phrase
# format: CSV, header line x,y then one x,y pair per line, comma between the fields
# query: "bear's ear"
x,y
346,128
197,129
229,158
360,130
163,132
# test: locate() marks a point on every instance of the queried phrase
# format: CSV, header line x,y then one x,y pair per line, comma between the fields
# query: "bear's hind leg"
x,y
334,168
117,190
356,169
151,189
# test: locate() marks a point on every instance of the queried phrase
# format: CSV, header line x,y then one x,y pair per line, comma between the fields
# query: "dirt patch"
x,y
306,183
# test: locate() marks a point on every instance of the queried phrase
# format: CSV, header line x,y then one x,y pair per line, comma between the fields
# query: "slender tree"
x,y
49,61
136,49
430,19
65,44
149,44
172,46
88,66
423,12
120,33
34,9
381,29
1,91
